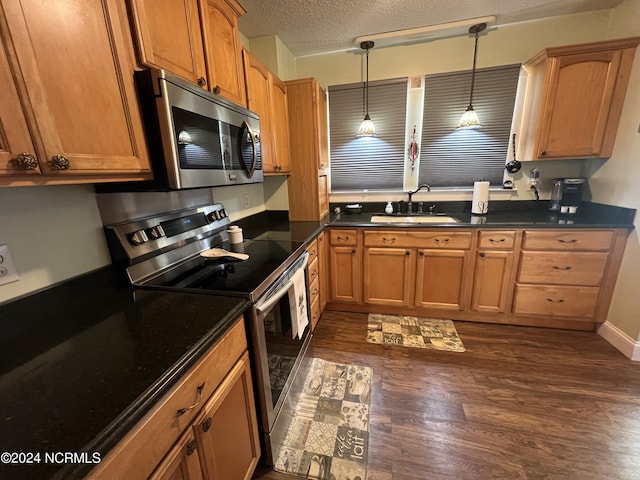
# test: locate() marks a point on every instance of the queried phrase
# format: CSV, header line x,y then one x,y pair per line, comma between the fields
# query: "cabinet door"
x,y
227,429
169,37
441,278
222,49
181,463
280,122
577,104
14,132
388,276
323,195
257,77
491,283
345,272
322,132
78,87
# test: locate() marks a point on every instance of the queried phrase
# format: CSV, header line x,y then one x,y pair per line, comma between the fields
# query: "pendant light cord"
x,y
367,86
473,71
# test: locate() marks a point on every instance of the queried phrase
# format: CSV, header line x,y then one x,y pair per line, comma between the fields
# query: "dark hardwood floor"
x,y
520,403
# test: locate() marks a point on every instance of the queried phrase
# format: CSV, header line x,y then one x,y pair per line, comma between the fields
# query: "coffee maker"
x,y
571,194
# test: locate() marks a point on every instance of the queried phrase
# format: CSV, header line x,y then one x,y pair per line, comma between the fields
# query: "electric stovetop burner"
x,y
227,275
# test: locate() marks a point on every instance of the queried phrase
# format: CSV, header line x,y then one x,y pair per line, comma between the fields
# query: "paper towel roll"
x,y
480,200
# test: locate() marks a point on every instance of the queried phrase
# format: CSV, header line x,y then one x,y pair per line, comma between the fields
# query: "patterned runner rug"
x,y
413,332
328,437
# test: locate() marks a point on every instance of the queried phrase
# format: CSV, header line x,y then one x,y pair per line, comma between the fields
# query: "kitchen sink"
x,y
413,219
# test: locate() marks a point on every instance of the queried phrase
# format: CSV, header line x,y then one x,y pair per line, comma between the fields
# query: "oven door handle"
x,y
263,308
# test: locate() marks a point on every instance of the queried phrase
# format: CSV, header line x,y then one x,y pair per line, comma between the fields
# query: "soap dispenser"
x,y
389,208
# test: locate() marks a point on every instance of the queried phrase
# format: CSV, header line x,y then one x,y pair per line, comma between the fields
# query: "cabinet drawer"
x,y
312,250
343,237
314,290
572,268
499,239
423,239
138,454
568,240
314,316
312,270
555,301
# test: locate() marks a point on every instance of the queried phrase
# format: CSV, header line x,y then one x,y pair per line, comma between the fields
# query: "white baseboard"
x,y
620,340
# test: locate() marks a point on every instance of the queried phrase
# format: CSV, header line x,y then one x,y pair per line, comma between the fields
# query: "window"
x,y
450,157
367,163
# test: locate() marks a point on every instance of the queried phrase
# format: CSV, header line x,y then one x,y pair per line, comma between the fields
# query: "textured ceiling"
x,y
309,27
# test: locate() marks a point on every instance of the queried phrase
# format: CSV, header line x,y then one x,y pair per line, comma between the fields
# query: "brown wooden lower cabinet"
x,y
204,428
549,277
441,279
226,433
181,463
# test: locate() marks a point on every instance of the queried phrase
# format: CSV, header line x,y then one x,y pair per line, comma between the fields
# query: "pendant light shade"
x,y
367,128
470,118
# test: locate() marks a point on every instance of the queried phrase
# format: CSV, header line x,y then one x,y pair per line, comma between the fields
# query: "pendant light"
x,y
470,118
367,128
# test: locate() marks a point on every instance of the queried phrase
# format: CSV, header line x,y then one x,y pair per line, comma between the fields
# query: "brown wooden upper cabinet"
x,y
68,108
307,103
574,99
195,39
267,96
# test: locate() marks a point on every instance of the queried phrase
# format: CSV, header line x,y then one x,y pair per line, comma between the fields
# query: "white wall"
x,y
53,233
616,182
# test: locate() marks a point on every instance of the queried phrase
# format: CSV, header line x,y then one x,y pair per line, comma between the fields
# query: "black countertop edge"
x,y
124,423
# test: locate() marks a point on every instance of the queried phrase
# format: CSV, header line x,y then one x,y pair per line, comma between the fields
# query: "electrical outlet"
x,y
245,198
8,272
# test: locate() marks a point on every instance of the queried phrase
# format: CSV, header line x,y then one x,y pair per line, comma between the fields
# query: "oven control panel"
x,y
142,237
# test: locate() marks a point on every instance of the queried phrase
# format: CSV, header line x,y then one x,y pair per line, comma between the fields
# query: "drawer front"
x,y
312,270
314,290
431,239
312,250
568,240
138,454
563,268
497,239
315,314
343,237
555,301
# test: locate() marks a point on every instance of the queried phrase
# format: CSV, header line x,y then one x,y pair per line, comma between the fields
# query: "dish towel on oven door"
x,y
298,304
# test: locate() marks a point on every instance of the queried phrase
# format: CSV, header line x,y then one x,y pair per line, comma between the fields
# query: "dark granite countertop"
x,y
502,214
83,361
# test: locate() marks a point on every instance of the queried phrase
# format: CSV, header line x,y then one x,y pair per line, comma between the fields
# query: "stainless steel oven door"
x,y
277,352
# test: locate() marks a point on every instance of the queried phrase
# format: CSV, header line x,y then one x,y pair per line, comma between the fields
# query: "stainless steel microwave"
x,y
197,139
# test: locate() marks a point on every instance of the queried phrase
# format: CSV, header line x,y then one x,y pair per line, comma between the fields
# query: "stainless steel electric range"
x,y
163,251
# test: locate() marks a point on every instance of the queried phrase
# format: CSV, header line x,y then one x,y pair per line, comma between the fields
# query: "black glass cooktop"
x,y
226,275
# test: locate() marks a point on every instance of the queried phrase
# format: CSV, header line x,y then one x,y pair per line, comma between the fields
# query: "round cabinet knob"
x,y
543,153
202,82
60,162
27,161
216,89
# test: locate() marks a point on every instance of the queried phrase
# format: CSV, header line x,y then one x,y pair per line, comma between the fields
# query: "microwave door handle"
x,y
254,163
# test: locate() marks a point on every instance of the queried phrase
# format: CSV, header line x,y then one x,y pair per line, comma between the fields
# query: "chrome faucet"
x,y
411,194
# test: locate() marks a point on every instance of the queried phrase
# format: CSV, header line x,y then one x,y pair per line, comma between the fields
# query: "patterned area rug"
x,y
413,332
329,435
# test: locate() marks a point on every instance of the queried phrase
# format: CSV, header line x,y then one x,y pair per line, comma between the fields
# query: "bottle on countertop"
x,y
389,208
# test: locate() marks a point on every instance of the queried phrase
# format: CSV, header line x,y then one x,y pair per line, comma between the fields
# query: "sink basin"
x,y
413,219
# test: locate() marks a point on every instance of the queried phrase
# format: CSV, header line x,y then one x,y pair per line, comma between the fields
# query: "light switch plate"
x,y
8,272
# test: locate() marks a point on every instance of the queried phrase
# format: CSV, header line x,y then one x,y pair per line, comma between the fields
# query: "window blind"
x,y
367,163
451,157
